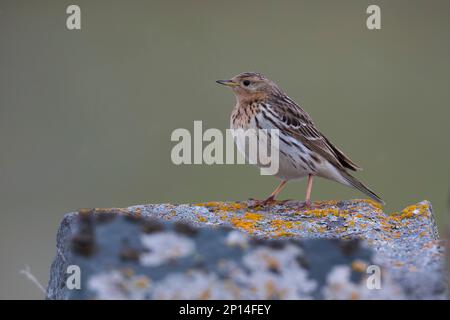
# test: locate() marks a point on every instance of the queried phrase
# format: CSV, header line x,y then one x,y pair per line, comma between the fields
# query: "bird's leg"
x,y
272,196
307,203
278,189
308,191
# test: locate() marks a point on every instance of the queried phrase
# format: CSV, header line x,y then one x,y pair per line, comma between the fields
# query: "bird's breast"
x,y
244,116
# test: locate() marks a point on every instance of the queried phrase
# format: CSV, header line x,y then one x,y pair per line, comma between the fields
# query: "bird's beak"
x,y
228,83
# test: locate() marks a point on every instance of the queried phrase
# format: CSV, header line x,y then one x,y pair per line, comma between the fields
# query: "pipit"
x,y
303,150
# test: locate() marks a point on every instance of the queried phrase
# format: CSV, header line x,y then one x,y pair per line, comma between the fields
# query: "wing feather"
x,y
301,126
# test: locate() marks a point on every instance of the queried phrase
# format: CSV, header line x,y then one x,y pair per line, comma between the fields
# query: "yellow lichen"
x,y
283,234
253,216
240,223
128,272
321,213
142,282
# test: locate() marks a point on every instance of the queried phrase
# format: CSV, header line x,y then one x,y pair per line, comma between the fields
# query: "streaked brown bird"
x,y
303,150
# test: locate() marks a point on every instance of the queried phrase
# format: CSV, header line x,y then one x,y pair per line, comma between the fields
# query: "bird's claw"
x,y
253,203
305,205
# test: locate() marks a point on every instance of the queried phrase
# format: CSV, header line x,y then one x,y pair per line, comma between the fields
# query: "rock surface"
x,y
233,250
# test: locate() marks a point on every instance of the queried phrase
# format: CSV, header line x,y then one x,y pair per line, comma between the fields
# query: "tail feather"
x,y
352,181
344,160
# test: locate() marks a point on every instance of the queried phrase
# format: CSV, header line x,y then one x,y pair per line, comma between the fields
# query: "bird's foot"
x,y
253,203
305,205
270,201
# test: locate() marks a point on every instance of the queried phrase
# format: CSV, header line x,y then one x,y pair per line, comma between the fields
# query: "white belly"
x,y
295,160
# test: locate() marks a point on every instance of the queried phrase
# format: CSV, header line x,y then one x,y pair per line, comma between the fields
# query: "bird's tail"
x,y
352,181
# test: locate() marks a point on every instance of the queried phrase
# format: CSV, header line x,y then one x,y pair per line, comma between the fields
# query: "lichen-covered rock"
x,y
336,250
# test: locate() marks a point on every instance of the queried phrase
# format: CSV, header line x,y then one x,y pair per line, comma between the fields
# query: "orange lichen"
x,y
413,210
208,204
359,266
173,213
324,212
270,289
281,224
108,210
354,296
396,235
373,203
247,225
216,206
205,294
253,216
358,213
280,228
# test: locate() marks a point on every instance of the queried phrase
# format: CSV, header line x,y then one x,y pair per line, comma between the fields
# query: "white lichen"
x,y
202,285
237,239
276,273
114,285
340,287
164,246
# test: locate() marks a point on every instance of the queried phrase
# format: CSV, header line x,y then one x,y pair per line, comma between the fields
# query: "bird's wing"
x,y
300,125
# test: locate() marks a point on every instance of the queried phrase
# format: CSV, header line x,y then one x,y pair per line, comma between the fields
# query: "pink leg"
x,y
308,191
272,196
276,191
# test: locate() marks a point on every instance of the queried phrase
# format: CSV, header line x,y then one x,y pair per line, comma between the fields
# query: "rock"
x,y
232,250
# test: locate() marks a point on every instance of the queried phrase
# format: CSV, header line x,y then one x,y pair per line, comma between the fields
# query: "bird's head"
x,y
250,86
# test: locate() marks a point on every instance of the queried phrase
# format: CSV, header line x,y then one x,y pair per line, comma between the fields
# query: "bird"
x,y
303,150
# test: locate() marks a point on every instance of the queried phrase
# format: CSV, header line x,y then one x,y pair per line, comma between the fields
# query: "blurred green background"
x,y
86,116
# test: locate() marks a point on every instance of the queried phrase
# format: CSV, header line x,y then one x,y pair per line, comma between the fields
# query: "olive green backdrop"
x,y
86,116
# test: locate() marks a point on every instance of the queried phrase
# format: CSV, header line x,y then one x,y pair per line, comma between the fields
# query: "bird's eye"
x,y
246,83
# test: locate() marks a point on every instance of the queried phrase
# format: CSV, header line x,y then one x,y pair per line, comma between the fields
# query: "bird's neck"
x,y
250,99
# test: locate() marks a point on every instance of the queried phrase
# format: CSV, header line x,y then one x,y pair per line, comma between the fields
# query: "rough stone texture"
x,y
169,251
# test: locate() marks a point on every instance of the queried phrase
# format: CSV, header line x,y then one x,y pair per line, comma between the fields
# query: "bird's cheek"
x,y
237,90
